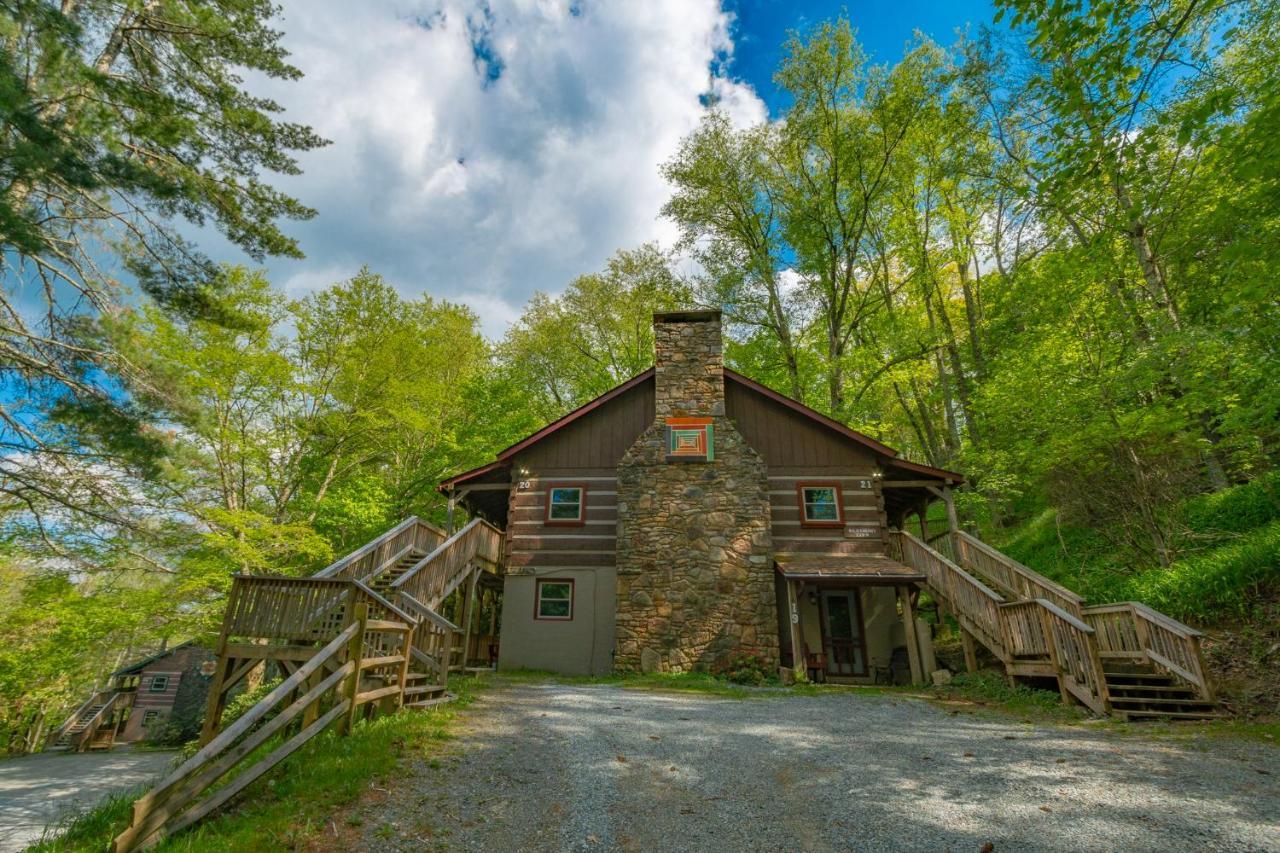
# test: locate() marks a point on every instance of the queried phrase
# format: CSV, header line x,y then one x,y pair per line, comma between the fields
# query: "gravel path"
x,y
553,767
38,790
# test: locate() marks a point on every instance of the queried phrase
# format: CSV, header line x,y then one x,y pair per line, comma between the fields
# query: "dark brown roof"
x,y
861,567
885,450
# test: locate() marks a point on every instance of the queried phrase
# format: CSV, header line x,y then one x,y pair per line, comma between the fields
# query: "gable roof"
x,y
504,457
135,667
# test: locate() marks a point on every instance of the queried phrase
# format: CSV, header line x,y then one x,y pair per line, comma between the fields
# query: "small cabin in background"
x,y
140,700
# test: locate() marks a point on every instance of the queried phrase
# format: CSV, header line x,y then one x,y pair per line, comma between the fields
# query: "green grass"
x,y
990,689
295,801
1231,559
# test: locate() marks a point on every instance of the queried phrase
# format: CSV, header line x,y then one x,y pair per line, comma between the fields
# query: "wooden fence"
x,y
325,697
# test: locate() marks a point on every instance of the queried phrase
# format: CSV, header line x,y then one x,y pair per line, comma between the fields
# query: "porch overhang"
x,y
847,568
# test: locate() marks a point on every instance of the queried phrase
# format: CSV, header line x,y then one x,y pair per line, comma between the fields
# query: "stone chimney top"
x,y
689,364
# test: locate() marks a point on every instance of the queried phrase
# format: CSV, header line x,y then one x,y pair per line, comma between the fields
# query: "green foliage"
x,y
1231,558
991,687
752,670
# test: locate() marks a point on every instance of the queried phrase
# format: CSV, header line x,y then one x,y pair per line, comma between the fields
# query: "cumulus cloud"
x,y
485,150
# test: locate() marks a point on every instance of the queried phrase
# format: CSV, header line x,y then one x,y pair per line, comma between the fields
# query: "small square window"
x,y
566,504
555,600
820,505
159,684
149,718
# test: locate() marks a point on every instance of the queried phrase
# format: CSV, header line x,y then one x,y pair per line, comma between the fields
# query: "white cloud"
x,y
482,190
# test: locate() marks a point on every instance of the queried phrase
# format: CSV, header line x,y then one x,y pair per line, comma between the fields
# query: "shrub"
x,y
748,670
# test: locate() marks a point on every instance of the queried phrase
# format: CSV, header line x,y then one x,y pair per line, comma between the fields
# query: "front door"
x,y
842,633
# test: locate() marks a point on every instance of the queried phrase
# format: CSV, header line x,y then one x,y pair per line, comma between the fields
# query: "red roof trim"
x,y
830,423
574,415
458,479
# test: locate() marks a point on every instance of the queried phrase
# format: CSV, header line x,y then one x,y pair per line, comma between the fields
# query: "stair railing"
x,y
433,639
436,575
412,532
71,720
1018,581
85,735
975,602
1130,630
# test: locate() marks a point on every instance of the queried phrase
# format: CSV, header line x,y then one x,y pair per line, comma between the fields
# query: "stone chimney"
x,y
694,556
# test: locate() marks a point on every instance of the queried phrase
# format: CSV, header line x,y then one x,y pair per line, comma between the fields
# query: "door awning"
x,y
864,568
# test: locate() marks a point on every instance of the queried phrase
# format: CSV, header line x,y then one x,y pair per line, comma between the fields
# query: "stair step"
x,y
1152,700
1174,715
1154,688
1139,675
424,688
431,703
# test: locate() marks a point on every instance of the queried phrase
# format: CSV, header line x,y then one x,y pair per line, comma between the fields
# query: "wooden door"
x,y
843,634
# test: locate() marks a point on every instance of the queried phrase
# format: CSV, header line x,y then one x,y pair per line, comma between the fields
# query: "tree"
x,y
569,349
118,121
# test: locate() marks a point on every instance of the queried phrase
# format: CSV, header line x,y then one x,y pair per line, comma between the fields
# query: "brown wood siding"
x,y
162,701
584,453
797,450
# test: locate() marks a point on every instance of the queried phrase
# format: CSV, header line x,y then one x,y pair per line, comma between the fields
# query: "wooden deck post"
x,y
355,653
468,614
217,689
913,639
407,649
970,653
793,621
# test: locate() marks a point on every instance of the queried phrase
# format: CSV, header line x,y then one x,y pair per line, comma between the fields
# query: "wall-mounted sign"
x,y
690,440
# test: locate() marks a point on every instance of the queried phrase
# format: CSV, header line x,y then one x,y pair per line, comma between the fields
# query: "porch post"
x,y
793,620
913,640
953,520
922,513
970,653
468,611
453,502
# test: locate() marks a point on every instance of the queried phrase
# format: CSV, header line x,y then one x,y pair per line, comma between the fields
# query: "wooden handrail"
x,y
382,602
93,722
71,720
1036,584
340,566
453,556
425,612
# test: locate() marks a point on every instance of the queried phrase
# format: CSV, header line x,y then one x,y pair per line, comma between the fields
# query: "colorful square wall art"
x,y
690,440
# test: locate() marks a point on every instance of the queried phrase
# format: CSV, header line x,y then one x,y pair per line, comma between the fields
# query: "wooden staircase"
x,y
1141,692
78,723
359,637
1123,659
92,725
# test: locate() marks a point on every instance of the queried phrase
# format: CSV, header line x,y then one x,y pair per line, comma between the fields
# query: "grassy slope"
x,y
1232,562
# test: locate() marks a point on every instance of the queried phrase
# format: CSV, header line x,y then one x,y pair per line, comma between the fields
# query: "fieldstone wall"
x,y
694,556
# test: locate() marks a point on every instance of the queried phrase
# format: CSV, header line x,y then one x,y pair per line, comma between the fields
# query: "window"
x,y
566,504
149,718
555,600
820,505
159,684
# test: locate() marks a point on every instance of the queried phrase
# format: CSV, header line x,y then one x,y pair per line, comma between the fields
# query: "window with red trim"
x,y
821,504
554,600
566,504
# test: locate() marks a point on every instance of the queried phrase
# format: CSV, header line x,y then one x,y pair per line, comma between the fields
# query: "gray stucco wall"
x,y
580,646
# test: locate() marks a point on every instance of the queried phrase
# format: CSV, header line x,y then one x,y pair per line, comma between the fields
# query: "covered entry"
x,y
850,618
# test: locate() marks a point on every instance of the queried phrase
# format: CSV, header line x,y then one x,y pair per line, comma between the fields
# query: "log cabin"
x,y
692,519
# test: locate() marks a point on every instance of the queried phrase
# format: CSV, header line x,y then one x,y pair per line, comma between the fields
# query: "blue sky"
x,y
487,149
761,27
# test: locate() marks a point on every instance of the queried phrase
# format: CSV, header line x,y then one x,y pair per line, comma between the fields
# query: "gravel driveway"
x,y
553,767
36,790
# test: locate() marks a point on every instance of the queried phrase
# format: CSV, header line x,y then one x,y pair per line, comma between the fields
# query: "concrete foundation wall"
x,y
580,646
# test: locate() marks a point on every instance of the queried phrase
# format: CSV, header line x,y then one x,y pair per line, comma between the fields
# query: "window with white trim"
x,y
555,600
159,684
566,504
820,504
